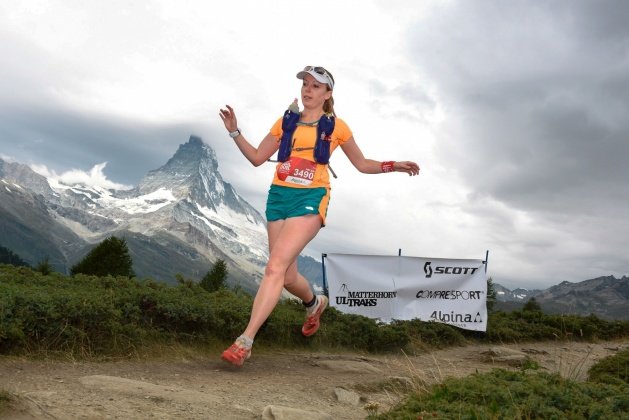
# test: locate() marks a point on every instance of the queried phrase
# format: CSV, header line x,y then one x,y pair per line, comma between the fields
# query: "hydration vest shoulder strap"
x,y
324,134
289,125
321,152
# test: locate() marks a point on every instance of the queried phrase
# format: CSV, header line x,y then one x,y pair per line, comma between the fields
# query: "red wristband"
x,y
387,166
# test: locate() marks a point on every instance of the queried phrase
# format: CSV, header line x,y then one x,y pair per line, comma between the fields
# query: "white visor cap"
x,y
319,73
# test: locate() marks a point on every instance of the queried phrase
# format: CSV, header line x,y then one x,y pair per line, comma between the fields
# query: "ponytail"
x,y
328,106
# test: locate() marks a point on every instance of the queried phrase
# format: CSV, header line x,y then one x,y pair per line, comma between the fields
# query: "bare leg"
x,y
294,282
298,285
294,235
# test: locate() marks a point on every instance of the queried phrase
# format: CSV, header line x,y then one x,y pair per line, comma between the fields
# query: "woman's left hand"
x,y
410,168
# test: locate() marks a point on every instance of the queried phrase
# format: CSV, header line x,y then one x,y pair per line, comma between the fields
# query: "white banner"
x,y
430,289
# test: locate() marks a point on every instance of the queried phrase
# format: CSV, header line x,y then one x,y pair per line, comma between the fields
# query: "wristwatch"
x,y
234,134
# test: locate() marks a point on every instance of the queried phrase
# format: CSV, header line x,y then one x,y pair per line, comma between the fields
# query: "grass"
x,y
612,370
5,400
93,317
503,394
528,392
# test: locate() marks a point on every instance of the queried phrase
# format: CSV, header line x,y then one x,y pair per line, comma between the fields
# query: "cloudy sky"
x,y
515,111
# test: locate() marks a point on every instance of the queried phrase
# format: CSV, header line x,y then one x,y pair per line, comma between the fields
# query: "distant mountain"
x,y
312,270
180,218
518,295
29,229
606,297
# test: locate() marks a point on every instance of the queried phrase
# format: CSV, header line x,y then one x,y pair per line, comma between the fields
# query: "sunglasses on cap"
x,y
322,72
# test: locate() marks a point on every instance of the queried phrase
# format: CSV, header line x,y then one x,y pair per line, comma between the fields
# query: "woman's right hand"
x,y
229,118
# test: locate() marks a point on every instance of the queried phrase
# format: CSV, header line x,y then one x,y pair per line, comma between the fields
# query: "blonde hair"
x,y
328,105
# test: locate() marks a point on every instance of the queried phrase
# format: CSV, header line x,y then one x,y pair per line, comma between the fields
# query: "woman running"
x,y
299,195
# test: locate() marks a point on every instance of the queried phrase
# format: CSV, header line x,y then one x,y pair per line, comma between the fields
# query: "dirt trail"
x,y
321,384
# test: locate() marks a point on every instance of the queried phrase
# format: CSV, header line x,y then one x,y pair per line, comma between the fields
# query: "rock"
x,y
347,397
504,355
534,351
276,412
147,390
349,366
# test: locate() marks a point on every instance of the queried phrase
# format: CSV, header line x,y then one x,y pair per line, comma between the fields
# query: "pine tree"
x,y
532,306
9,257
110,257
491,295
215,278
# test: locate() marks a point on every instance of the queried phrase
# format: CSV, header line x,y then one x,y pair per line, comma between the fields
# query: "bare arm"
x,y
257,156
370,166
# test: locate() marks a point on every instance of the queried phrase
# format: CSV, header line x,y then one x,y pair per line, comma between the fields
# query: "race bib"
x,y
297,171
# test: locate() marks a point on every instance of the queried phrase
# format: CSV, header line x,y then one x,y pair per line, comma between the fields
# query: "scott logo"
x,y
447,270
428,270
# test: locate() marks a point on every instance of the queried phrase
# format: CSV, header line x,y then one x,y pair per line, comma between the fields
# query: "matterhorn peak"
x,y
190,156
192,161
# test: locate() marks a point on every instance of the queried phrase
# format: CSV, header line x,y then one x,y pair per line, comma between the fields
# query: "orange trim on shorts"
x,y
323,206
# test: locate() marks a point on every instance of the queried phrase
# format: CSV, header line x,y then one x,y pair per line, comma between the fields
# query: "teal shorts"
x,y
284,202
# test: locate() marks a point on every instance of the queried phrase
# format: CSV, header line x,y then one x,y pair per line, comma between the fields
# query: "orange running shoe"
x,y
236,354
312,321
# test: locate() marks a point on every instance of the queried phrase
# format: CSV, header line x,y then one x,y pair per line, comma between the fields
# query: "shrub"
x,y
611,370
116,314
361,333
44,267
5,399
514,395
433,334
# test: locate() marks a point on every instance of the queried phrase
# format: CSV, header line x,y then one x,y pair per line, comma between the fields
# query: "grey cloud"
x,y
539,96
417,102
536,96
66,139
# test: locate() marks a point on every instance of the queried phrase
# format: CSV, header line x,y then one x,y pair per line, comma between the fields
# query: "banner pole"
x,y
325,281
486,262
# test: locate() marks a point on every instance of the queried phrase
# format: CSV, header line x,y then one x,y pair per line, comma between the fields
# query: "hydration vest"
x,y
321,149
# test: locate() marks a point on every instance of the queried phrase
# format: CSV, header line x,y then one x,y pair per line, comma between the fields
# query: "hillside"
x,y
606,297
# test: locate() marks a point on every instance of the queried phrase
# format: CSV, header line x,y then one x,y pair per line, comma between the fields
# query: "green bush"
x,y
611,370
360,333
103,315
5,399
520,326
117,314
502,394
433,334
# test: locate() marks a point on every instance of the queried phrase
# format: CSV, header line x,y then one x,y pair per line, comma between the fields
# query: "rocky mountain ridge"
x,y
179,219
606,297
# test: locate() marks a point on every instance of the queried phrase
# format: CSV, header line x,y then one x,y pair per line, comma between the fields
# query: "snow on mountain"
x,y
184,206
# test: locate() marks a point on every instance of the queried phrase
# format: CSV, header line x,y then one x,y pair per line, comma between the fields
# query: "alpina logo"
x,y
454,317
